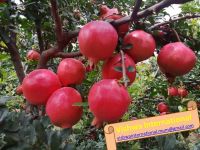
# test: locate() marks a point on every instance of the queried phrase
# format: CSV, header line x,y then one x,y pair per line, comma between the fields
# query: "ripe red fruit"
x,y
172,91
97,40
71,71
60,107
38,85
176,59
182,92
143,45
162,107
19,90
108,100
107,13
112,68
33,55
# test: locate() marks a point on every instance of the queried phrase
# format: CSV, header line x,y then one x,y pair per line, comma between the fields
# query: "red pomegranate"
x,y
38,85
97,40
33,55
143,45
109,68
182,92
60,107
176,59
172,91
71,71
108,100
19,90
107,13
162,107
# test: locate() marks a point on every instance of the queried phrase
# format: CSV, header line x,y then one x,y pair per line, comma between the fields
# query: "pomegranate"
x,y
162,107
176,59
97,40
107,13
172,91
143,45
108,100
109,68
38,85
19,90
33,55
182,92
60,107
71,71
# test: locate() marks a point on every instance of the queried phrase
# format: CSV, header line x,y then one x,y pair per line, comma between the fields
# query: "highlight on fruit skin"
x,y
176,59
38,86
97,40
112,68
108,100
71,71
143,45
61,107
33,55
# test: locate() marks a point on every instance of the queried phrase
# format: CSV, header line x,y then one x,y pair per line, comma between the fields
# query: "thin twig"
x,y
124,69
176,34
189,16
135,10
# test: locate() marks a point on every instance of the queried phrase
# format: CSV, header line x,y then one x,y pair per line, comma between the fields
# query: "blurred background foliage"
x,y
19,130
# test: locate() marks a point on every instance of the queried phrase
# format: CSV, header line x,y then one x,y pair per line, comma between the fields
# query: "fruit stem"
x,y
177,36
124,69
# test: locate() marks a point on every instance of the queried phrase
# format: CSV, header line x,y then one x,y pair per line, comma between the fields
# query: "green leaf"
x,y
127,46
130,69
118,68
83,104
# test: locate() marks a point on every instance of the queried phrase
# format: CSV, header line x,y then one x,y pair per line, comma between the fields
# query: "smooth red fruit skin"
x,y
162,107
143,45
172,91
60,107
108,100
33,55
19,90
97,40
109,72
176,59
71,71
38,85
182,92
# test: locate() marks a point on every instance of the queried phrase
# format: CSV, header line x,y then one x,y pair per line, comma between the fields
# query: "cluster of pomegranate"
x,y
181,92
108,99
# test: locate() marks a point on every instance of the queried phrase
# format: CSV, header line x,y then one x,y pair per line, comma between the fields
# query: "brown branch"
x,y
188,16
58,23
68,55
39,35
176,34
124,69
135,10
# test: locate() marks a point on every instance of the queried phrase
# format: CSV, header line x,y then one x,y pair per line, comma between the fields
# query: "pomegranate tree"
x,y
176,59
143,45
33,55
60,107
71,71
97,40
108,100
38,86
112,68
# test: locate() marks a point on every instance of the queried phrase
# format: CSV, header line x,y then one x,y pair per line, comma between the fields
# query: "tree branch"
x,y
188,16
135,10
124,69
39,35
176,34
68,55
